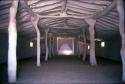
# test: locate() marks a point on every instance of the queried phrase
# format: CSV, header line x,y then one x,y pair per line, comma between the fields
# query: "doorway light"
x,y
67,52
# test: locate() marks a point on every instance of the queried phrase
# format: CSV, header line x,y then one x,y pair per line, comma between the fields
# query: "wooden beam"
x,y
34,21
64,4
120,9
106,10
97,15
26,7
83,11
91,23
113,19
105,27
85,5
12,32
109,22
67,27
2,3
4,12
67,16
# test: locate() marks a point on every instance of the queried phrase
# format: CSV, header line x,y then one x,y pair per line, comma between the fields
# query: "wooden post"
x,y
91,23
84,51
56,49
52,45
77,53
46,44
34,21
49,45
120,9
75,46
78,44
12,32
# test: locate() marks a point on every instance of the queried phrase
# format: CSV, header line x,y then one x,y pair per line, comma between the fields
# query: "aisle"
x,y
68,70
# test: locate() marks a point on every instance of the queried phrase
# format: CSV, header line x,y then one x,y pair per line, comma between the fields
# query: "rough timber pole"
x,y
120,9
84,53
12,32
91,23
50,46
35,22
77,47
46,44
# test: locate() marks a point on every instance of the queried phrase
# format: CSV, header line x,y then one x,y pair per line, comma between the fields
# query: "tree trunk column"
x,y
46,44
77,50
84,50
34,21
54,46
56,49
120,9
12,32
78,45
75,46
91,23
50,46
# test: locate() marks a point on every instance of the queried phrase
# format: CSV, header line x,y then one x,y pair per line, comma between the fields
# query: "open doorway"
x,y
65,46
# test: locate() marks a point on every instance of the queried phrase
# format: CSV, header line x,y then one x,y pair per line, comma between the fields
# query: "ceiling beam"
x,y
64,4
5,2
108,21
107,25
97,15
66,16
106,10
65,27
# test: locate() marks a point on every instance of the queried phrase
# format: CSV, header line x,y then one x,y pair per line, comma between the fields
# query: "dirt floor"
x,y
68,70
